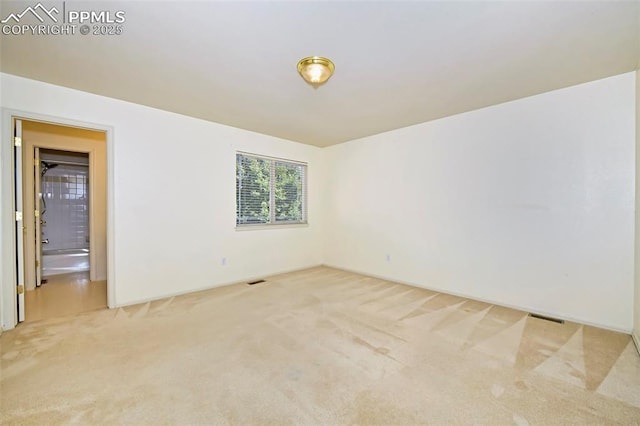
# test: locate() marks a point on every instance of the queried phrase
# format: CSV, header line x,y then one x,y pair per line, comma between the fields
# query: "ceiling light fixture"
x,y
316,70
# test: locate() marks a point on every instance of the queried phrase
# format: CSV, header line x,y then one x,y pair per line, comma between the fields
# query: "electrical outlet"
x,y
223,261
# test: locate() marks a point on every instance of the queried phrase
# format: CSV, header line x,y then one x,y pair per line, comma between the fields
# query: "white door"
x,y
20,228
39,213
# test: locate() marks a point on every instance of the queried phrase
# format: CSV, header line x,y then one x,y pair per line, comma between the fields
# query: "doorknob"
x,y
45,241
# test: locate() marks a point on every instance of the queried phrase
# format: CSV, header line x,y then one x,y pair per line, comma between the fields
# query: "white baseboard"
x,y
479,299
209,287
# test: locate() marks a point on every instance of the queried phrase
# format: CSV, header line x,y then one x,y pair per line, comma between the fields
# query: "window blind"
x,y
269,190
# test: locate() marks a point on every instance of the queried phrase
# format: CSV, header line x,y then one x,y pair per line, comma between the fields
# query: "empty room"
x,y
320,212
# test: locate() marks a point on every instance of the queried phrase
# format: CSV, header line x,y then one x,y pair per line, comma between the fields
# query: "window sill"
x,y
274,226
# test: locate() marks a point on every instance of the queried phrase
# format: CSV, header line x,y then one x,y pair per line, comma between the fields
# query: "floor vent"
x,y
542,317
255,282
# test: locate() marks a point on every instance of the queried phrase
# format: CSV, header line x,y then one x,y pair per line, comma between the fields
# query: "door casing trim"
x,y
8,254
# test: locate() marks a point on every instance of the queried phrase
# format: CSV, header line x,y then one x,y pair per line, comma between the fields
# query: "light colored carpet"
x,y
319,346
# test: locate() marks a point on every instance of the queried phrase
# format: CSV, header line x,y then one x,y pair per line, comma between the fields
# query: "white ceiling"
x,y
397,63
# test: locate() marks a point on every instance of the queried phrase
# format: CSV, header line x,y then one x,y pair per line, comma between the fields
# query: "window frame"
x,y
272,190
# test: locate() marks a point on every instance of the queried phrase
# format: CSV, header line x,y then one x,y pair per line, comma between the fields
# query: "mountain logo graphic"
x,y
34,11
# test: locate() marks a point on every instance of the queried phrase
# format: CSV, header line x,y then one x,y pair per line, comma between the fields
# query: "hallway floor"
x,y
64,295
316,347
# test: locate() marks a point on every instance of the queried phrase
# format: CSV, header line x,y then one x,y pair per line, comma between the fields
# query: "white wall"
x,y
528,204
174,189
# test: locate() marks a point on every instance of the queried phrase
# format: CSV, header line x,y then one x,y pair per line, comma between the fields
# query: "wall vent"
x,y
542,317
255,282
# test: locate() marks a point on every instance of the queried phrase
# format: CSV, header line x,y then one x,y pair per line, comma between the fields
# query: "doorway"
x,y
64,212
64,199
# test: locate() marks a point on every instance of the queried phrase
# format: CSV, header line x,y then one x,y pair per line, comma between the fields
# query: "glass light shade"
x,y
315,70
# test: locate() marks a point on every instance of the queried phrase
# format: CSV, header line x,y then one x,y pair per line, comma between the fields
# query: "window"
x,y
270,191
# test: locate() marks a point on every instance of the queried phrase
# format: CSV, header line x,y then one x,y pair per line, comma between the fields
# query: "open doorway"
x,y
64,212
64,198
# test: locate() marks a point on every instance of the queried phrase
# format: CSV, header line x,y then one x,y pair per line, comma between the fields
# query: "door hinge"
x,y
36,162
37,263
36,213
20,289
17,141
18,216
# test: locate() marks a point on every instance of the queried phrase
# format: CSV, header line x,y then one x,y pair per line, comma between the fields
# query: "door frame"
x,y
36,196
8,264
